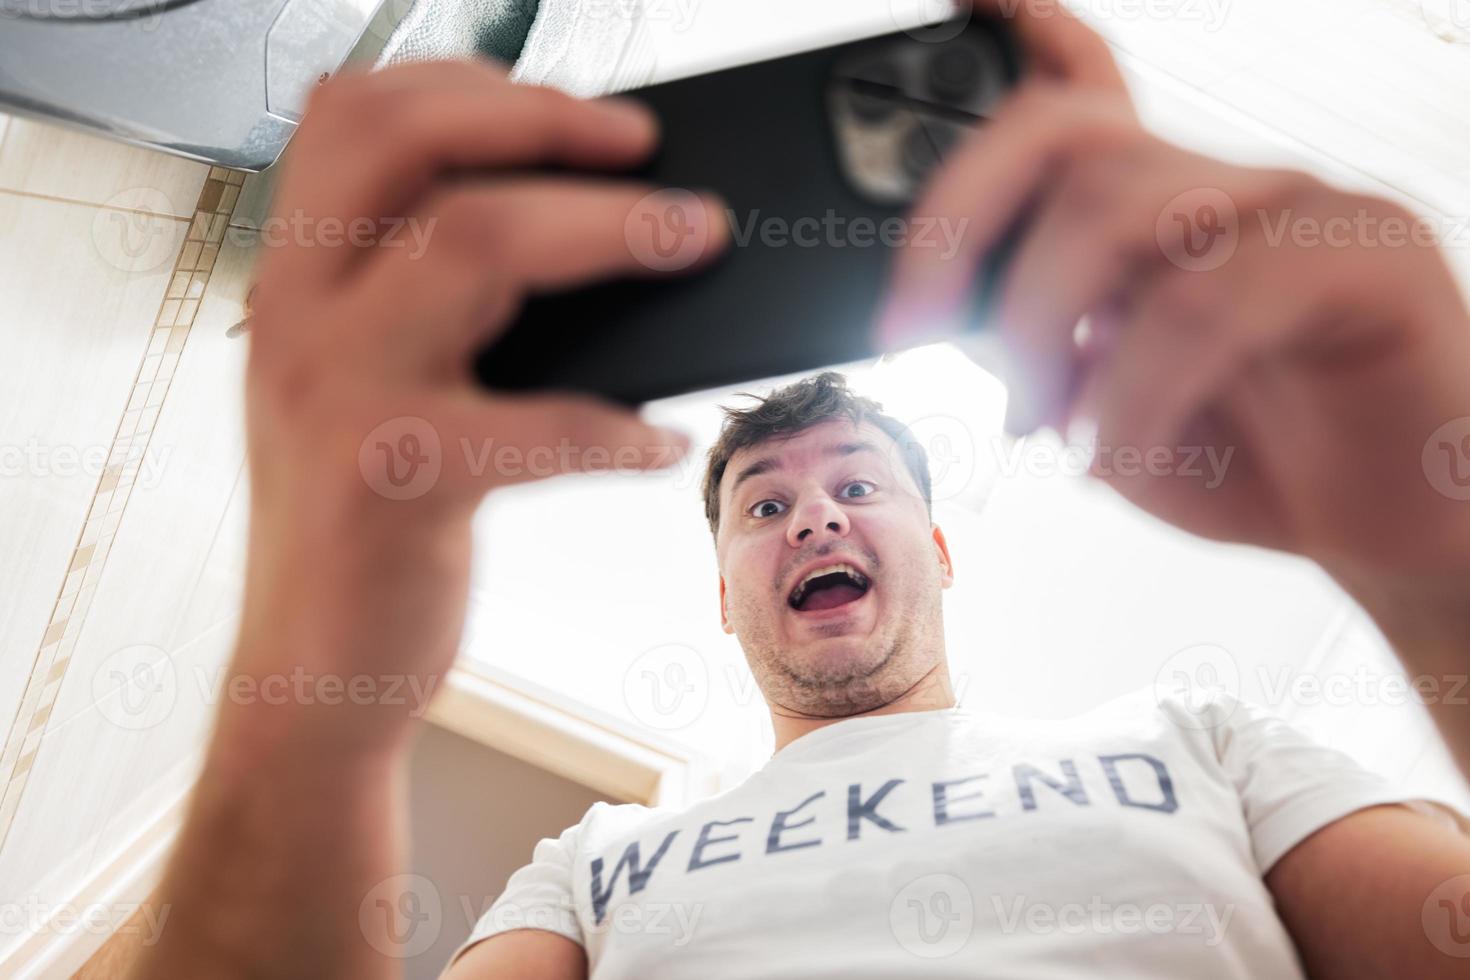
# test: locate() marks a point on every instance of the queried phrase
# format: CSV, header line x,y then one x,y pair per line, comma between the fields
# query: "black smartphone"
x,y
819,157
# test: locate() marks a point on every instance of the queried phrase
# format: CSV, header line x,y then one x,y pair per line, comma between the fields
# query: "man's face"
x,y
835,494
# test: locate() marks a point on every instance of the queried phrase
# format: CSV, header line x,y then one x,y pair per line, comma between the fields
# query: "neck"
x,y
930,693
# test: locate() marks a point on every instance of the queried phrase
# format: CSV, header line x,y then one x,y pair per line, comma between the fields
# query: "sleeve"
x,y
538,896
1291,786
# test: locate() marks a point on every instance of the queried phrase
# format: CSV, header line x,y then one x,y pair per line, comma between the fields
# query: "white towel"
x,y
584,47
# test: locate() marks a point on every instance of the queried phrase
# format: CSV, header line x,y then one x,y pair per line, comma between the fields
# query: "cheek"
x,y
747,577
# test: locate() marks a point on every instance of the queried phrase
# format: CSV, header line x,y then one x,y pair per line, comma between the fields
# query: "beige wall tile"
x,y
75,324
170,589
39,158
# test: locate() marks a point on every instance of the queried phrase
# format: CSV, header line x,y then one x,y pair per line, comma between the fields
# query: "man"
x,y
883,812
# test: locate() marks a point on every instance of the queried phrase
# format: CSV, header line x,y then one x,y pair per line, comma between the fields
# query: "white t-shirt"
x,y
1129,842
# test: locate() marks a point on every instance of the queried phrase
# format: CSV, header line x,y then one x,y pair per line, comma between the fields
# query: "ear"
x,y
724,615
946,564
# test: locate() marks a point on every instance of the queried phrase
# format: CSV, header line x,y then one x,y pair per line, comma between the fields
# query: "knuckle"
x,y
468,226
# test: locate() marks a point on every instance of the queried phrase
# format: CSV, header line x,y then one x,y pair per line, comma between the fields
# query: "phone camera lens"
x,y
924,146
955,72
872,91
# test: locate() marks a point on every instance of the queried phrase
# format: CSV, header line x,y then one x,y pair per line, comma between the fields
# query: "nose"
x,y
815,515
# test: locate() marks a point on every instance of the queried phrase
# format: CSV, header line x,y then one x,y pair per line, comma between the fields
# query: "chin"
x,y
838,659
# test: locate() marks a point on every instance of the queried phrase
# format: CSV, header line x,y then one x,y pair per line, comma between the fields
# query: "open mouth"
x,y
828,587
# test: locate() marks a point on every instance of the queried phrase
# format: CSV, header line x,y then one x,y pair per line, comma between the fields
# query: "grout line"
x,y
12,192
171,327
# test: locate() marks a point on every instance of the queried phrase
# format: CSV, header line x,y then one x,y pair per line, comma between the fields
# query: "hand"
x,y
1324,371
370,444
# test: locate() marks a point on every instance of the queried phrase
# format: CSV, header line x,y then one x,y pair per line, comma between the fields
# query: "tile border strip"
x,y
171,325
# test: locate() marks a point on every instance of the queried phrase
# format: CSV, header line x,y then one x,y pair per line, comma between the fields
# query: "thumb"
x,y
501,441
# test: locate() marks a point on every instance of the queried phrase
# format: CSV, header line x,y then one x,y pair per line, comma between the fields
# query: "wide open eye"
x,y
766,508
863,488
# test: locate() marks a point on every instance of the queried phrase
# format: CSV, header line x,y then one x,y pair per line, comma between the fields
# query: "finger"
x,y
1190,330
1193,339
371,148
1058,44
485,247
1091,243
502,441
988,184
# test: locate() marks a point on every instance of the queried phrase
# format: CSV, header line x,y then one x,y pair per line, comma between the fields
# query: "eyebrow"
x,y
769,464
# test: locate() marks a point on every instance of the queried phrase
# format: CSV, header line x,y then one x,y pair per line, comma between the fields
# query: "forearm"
x,y
285,839
1428,627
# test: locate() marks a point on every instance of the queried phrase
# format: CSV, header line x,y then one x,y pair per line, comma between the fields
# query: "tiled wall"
x,y
121,453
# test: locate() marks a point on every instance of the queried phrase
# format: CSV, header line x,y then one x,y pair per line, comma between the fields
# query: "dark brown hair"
x,y
793,409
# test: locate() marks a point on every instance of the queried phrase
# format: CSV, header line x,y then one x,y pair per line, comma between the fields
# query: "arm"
x,y
526,954
364,432
1373,896
1314,339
